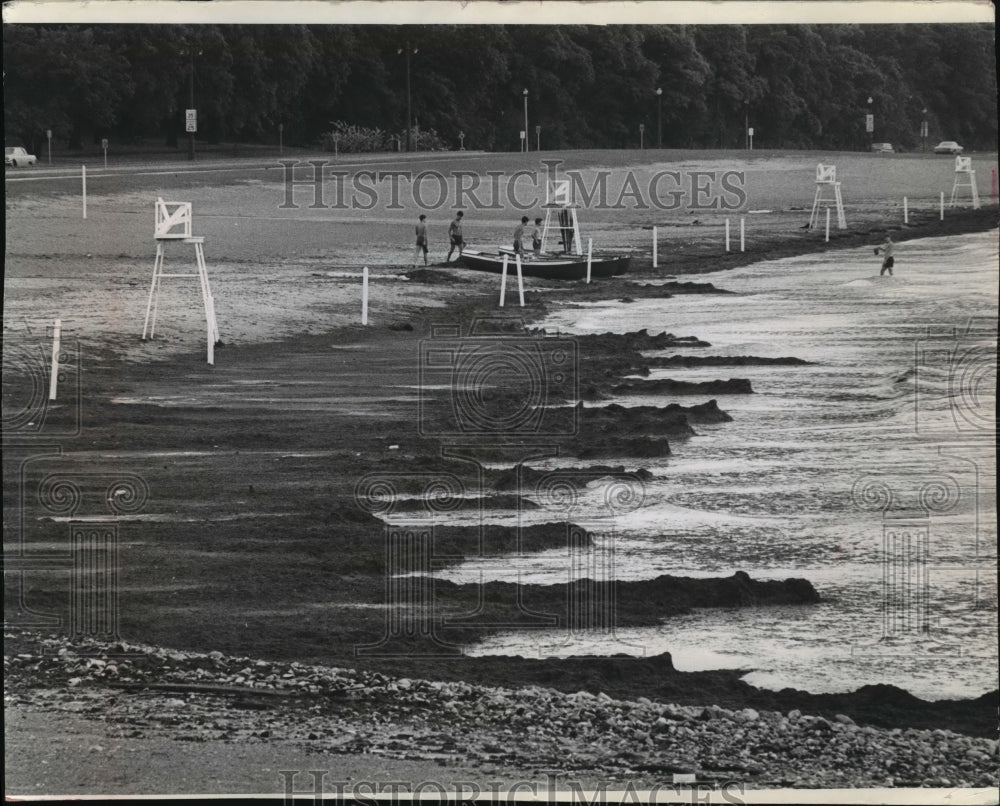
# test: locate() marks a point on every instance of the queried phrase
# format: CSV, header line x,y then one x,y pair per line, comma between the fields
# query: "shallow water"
x,y
891,430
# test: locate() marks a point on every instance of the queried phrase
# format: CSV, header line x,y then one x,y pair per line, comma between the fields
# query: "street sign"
x,y
923,129
642,127
750,131
104,143
538,129
48,133
522,134
869,123
190,120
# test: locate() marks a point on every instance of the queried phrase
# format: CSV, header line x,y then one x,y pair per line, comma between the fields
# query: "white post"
x,y
520,280
727,234
105,156
942,205
364,296
590,256
906,211
743,233
54,379
828,225
503,281
83,176
654,247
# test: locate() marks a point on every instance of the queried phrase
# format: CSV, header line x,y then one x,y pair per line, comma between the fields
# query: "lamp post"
x,y
659,117
870,124
409,114
525,93
191,100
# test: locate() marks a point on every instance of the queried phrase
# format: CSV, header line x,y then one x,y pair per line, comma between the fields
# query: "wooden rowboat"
x,y
549,267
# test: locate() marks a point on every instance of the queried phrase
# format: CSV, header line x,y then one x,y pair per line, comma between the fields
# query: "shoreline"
x,y
347,425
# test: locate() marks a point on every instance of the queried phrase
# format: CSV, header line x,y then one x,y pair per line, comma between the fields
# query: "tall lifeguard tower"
x,y
173,222
826,183
965,177
558,200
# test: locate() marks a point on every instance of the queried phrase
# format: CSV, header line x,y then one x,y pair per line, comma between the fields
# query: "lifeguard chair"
x,y
826,180
965,176
558,200
173,222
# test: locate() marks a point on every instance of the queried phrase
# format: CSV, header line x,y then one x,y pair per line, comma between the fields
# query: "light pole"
x,y
525,93
659,117
190,100
870,124
409,113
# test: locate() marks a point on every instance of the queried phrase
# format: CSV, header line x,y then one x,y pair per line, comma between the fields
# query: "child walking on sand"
x,y
889,260
421,240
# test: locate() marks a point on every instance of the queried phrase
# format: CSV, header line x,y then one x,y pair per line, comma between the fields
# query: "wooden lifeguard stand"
x,y
965,176
173,222
826,180
558,199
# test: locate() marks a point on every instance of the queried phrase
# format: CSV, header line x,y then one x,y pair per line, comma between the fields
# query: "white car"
x,y
948,147
18,156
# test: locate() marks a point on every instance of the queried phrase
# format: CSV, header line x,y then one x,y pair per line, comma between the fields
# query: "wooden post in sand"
x,y
520,280
942,205
503,281
828,225
590,256
743,234
906,211
83,182
727,234
54,378
364,296
654,247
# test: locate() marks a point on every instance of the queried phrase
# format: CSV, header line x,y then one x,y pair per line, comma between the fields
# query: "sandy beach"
x,y
254,567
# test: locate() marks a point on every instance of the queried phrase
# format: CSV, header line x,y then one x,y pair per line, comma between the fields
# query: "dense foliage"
x,y
589,86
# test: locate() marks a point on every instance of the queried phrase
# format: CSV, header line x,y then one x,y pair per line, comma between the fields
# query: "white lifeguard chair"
x,y
826,179
965,176
172,222
558,199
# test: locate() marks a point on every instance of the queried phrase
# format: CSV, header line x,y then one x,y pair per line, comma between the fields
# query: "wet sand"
x,y
244,534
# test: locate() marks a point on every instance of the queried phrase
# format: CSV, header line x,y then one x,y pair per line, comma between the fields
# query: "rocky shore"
x,y
146,691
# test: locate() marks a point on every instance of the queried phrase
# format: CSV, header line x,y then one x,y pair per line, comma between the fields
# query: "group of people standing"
x,y
457,240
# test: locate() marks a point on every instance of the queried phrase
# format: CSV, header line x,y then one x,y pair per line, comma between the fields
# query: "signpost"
x,y
642,129
524,141
461,140
336,144
191,126
281,138
48,134
750,135
538,138
104,145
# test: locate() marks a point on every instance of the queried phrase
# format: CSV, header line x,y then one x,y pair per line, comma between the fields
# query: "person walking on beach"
x,y
421,240
888,260
536,238
455,235
519,236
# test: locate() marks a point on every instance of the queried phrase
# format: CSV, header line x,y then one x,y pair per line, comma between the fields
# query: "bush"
x,y
352,139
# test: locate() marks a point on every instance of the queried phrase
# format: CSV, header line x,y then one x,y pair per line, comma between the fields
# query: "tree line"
x,y
798,86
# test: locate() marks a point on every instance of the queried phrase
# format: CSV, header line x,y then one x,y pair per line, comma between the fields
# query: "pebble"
x,y
532,728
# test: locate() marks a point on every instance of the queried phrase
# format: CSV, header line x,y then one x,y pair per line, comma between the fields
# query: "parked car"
x,y
882,148
948,147
16,155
